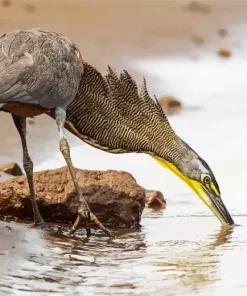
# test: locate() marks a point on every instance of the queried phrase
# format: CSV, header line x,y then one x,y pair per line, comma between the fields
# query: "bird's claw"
x,y
39,225
88,216
83,214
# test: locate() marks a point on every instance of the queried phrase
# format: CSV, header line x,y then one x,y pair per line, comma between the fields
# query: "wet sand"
x,y
181,250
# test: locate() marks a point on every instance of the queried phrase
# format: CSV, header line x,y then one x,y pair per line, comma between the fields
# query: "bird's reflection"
x,y
198,268
222,237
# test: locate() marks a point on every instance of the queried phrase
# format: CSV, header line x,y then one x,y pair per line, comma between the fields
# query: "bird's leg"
x,y
20,124
84,211
60,116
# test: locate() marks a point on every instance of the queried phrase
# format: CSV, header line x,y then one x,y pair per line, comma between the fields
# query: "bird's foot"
x,y
95,220
86,215
39,223
44,227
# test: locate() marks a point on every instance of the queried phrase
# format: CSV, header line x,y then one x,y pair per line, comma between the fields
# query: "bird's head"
x,y
196,173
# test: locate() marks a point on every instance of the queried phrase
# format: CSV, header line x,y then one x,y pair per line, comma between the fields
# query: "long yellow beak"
x,y
213,201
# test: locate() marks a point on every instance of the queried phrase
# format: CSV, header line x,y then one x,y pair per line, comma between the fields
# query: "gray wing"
x,y
38,67
11,69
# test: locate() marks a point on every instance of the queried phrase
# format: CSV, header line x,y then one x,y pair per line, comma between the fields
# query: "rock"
x,y
114,196
198,40
6,3
196,6
224,52
11,168
30,8
222,32
155,199
31,122
170,105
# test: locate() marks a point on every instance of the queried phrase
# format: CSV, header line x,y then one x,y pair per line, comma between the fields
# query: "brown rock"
x,y
196,6
30,8
6,3
31,122
224,52
155,199
170,105
11,168
198,40
222,32
114,196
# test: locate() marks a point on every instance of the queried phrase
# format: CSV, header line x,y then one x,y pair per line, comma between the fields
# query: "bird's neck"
x,y
171,147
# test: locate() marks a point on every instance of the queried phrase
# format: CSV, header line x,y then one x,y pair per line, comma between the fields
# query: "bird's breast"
x,y
24,109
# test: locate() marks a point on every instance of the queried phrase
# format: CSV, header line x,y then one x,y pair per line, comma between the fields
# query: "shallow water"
x,y
166,256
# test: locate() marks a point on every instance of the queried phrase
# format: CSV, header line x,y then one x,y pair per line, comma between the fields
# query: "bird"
x,y
40,72
114,114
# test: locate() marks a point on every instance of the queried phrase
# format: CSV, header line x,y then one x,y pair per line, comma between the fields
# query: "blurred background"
x,y
144,37
196,53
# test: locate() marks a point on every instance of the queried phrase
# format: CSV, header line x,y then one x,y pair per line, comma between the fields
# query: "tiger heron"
x,y
40,72
112,114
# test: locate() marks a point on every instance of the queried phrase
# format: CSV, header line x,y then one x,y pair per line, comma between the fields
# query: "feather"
x,y
114,114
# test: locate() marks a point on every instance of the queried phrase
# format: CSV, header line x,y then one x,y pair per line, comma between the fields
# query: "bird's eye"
x,y
206,179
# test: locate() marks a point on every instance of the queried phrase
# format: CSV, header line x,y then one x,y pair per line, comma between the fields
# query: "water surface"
x,y
167,255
